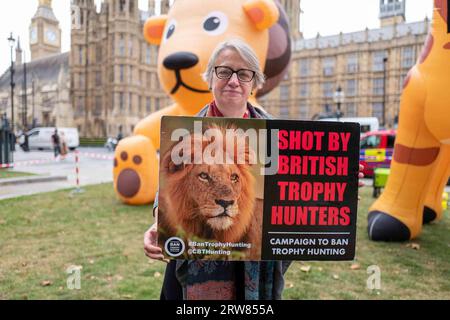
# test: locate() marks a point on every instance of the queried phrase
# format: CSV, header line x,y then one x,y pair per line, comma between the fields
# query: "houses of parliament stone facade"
x,y
368,65
112,69
108,81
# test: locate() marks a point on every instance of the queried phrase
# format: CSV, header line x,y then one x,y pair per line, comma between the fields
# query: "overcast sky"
x,y
324,16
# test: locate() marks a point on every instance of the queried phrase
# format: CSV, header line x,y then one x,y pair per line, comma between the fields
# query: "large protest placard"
x,y
254,189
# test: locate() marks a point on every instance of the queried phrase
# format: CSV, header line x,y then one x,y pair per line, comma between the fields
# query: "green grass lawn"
x,y
42,235
5,174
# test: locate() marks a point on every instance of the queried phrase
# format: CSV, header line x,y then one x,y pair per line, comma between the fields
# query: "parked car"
x,y
376,149
41,137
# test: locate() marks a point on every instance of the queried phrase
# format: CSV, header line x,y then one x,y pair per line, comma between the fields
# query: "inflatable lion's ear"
x,y
278,54
154,29
263,13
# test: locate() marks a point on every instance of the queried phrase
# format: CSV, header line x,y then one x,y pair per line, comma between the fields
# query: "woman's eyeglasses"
x,y
225,73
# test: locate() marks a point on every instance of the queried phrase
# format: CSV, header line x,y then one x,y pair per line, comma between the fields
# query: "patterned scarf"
x,y
213,111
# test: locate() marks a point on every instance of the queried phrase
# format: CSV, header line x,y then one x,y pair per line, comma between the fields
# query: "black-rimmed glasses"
x,y
225,73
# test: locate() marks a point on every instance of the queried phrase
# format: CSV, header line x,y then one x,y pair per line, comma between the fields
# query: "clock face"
x,y
33,35
50,35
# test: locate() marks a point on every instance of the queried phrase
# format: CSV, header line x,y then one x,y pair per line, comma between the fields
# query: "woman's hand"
x,y
360,176
151,248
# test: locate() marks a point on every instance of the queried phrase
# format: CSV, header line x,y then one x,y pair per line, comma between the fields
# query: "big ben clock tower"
x,y
45,33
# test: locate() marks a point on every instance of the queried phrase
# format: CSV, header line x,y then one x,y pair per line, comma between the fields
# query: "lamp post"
x,y
339,97
25,98
385,59
11,41
33,120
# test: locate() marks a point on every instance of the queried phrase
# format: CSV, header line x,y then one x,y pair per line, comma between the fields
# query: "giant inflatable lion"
x,y
187,37
421,162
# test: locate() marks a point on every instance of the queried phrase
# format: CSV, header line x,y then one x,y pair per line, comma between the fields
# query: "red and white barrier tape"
x,y
77,170
25,163
97,156
28,163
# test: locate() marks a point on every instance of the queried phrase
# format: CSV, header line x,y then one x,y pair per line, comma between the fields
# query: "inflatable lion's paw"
x,y
135,170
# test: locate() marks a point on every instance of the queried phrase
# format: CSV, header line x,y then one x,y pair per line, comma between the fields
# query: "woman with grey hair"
x,y
233,73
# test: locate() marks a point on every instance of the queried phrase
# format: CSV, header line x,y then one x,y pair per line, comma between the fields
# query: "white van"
x,y
41,137
367,123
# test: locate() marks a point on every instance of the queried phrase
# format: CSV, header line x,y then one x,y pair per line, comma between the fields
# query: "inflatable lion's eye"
x,y
215,23
170,29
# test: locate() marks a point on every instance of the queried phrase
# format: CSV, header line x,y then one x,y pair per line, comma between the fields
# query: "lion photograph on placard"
x,y
211,202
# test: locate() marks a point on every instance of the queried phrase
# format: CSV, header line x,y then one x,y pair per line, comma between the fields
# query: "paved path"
x,y
95,166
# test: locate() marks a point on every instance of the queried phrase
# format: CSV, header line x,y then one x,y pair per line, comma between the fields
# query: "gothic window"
x,y
98,106
122,72
112,74
284,92
80,108
149,81
352,63
408,58
130,75
352,87
304,67
140,104
130,102
121,101
351,109
378,86
327,89
328,66
148,105
122,5
98,53
304,90
122,45
98,78
130,47
378,60
80,55
82,17
148,55
377,110
131,6
284,111
112,45
81,81
304,113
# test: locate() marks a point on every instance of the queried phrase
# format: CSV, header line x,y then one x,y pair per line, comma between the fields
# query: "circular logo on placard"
x,y
174,247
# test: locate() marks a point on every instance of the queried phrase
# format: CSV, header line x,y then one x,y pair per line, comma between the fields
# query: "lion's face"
x,y
216,192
